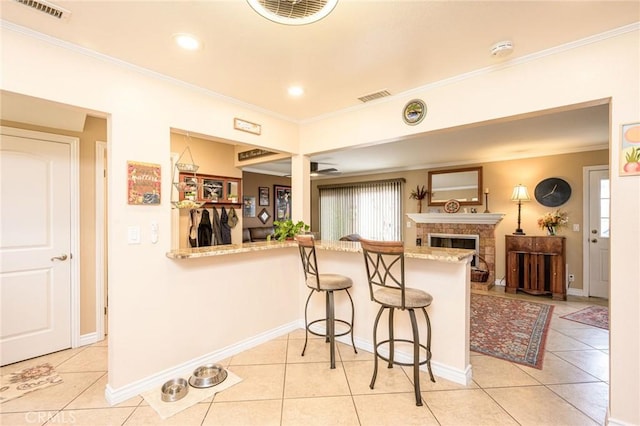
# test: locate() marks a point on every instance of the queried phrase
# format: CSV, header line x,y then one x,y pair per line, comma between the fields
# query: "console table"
x,y
536,265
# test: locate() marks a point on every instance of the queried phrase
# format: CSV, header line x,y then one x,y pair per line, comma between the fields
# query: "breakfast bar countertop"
x,y
421,252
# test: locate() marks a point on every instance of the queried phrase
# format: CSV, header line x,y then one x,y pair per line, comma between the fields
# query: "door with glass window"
x,y
598,233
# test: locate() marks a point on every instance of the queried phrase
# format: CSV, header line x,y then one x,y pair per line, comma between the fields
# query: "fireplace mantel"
x,y
471,218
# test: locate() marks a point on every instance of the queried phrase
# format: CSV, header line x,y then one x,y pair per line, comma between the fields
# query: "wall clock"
x,y
414,112
552,192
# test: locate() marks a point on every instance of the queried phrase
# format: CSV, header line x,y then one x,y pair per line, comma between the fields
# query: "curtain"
x,y
371,209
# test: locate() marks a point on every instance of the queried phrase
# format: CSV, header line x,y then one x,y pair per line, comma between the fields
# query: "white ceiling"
x,y
360,48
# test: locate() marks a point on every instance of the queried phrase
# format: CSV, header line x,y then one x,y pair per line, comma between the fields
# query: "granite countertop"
x,y
429,253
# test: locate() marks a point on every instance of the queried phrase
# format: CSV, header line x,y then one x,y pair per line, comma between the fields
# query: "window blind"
x,y
371,209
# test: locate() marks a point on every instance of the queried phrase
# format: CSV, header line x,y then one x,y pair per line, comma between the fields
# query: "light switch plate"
x,y
133,235
576,227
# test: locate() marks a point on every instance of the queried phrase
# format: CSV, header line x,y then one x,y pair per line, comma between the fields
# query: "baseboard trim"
x,y
575,292
88,339
115,396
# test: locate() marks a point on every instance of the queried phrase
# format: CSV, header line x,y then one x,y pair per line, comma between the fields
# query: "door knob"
x,y
61,257
594,240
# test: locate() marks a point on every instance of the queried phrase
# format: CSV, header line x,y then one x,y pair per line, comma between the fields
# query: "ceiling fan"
x,y
315,170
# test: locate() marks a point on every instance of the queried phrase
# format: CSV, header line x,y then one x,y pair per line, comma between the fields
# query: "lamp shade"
x,y
520,193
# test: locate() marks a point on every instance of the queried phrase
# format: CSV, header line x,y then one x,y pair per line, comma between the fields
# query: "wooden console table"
x,y
536,265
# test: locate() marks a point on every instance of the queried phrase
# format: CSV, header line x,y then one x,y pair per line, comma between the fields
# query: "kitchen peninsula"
x,y
442,272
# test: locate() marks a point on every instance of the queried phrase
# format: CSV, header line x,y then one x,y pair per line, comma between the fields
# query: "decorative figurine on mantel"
x,y
420,193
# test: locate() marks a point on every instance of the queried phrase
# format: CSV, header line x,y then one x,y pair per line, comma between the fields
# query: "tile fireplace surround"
x,y
482,224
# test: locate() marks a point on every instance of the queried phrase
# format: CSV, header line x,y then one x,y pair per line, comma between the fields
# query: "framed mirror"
x,y
463,185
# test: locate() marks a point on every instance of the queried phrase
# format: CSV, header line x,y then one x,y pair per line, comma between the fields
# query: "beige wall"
x,y
95,129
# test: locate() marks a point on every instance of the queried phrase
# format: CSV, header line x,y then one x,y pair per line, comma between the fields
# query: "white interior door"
x,y
35,244
598,233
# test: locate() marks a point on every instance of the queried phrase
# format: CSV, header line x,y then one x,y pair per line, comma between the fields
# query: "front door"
x,y
35,242
598,238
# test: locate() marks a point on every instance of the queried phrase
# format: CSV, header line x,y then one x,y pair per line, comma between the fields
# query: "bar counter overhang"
x,y
444,273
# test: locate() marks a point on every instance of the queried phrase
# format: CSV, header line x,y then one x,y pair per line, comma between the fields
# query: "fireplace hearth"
x,y
469,226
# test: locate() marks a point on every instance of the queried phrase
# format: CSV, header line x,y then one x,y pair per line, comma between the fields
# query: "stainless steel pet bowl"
x,y
208,375
174,389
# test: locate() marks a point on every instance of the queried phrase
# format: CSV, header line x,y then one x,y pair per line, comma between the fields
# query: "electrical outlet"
x,y
572,278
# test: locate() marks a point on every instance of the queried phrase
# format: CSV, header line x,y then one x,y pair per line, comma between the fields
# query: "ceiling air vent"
x,y
376,95
293,12
46,7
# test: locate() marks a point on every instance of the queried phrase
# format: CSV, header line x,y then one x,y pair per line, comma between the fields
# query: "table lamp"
x,y
520,194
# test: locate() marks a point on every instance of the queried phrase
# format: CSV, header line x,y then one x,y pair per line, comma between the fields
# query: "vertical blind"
x,y
371,209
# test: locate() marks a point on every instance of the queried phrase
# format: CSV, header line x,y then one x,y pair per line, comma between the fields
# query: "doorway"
x,y
596,231
40,231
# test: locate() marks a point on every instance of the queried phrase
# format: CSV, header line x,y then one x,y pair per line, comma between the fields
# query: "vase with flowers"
x,y
552,221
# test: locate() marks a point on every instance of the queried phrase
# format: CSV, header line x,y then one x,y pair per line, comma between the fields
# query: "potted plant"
x,y
420,193
286,229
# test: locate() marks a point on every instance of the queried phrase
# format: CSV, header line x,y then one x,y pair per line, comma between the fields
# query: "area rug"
x,y
195,395
597,316
510,329
31,379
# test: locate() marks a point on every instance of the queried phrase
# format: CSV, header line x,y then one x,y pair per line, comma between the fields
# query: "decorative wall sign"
x,y
143,183
281,202
414,112
247,126
253,153
630,150
264,216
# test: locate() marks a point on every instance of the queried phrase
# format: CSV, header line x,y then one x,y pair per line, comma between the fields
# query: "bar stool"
x,y
327,283
384,261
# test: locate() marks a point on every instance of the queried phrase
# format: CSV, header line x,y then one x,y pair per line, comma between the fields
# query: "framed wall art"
x,y
263,195
281,202
630,150
143,183
264,216
249,207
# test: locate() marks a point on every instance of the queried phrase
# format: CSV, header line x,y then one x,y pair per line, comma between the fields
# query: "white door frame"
x,y
75,258
586,280
100,171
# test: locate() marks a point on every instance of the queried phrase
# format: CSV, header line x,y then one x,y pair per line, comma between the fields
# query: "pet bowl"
x,y
174,390
208,375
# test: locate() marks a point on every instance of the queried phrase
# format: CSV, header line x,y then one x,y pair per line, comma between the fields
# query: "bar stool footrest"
x,y
348,324
406,364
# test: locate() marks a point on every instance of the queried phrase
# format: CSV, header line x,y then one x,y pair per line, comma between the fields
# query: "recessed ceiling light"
x,y
296,91
187,41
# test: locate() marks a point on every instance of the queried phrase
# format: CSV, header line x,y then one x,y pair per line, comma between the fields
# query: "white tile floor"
x,y
281,388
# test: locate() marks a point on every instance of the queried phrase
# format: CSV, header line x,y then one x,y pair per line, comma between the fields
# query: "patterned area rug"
x,y
30,379
597,316
510,329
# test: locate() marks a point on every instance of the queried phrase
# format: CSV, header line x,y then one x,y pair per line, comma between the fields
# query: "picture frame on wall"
x,y
281,202
249,206
264,216
630,149
263,196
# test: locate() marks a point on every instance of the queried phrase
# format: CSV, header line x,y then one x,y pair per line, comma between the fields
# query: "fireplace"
x,y
462,241
477,227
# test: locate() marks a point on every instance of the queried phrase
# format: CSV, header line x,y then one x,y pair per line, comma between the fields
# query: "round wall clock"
x,y
552,192
452,206
414,112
